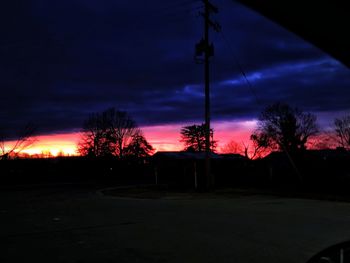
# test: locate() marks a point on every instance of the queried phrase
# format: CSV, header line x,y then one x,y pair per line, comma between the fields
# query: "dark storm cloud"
x,y
313,85
61,60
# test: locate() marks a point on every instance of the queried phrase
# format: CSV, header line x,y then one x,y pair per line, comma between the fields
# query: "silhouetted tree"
x,y
233,147
253,150
122,130
284,128
93,141
107,134
24,140
342,131
193,137
250,150
324,140
138,147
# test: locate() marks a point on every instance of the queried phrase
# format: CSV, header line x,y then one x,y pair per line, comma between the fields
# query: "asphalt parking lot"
x,y
77,224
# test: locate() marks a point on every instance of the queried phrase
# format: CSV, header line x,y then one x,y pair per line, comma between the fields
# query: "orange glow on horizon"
x,y
161,137
54,145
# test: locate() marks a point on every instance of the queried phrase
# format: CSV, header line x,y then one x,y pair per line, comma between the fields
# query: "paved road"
x,y
78,225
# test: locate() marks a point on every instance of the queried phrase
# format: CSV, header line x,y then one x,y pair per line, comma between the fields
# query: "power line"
x,y
240,68
175,5
250,86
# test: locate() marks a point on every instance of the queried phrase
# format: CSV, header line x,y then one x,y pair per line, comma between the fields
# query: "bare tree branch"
x,y
285,128
24,140
107,134
342,130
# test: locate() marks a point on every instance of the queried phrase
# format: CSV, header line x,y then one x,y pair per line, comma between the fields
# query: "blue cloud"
x,y
62,59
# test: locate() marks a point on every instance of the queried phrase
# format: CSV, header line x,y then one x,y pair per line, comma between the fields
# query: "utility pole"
x,y
204,47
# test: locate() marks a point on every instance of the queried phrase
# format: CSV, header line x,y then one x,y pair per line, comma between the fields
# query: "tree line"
x,y
280,127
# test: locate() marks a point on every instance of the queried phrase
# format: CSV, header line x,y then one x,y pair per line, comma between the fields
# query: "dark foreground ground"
x,y
76,223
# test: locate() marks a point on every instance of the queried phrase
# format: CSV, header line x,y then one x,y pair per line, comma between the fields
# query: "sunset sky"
x,y
61,60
